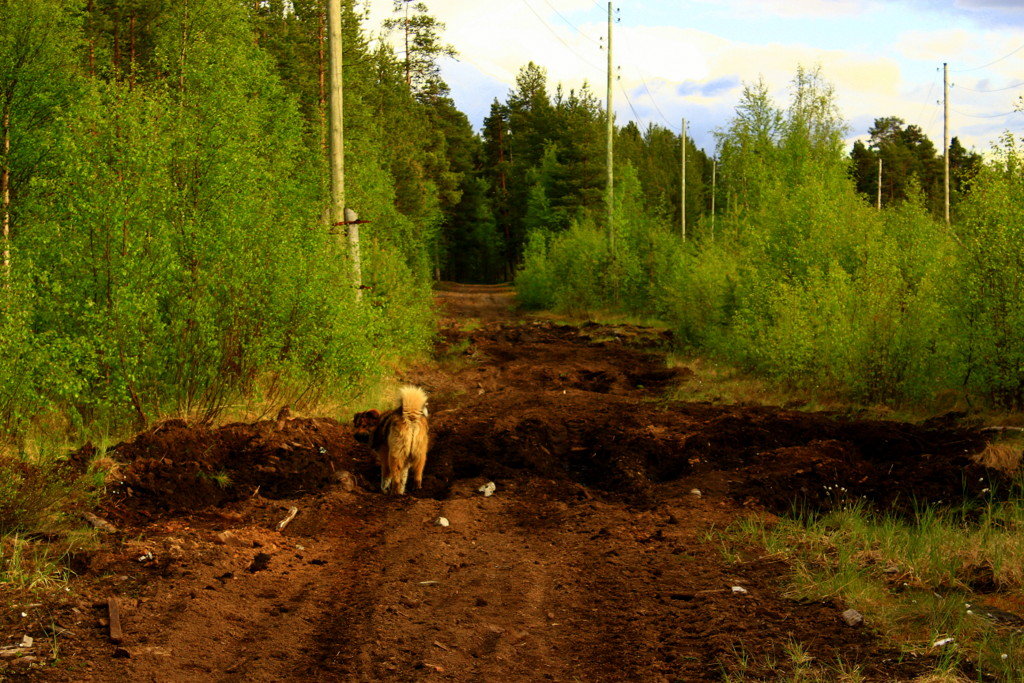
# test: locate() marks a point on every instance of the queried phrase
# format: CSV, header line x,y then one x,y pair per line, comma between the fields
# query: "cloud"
x,y
795,8
710,88
669,70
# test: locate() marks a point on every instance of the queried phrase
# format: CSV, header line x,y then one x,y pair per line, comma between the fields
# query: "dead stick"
x,y
287,520
114,611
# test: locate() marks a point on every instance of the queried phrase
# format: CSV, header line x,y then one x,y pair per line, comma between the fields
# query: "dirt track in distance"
x,y
593,560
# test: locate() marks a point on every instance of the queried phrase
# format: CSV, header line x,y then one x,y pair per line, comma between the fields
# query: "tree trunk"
x,y
322,67
184,42
131,63
92,38
5,193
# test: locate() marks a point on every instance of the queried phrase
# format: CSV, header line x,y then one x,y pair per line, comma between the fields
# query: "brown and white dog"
x,y
398,438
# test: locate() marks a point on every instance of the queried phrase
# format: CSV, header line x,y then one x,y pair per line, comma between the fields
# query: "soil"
x,y
592,560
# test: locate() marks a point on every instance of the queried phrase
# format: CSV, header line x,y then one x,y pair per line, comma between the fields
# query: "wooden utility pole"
x,y
338,219
610,190
879,184
945,131
682,185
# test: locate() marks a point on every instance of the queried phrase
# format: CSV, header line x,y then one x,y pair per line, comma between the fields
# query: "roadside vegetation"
x,y
164,249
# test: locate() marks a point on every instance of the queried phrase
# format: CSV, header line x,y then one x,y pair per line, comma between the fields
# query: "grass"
x,y
946,573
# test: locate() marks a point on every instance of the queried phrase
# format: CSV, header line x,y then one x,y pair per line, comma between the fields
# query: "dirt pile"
x,y
581,404
177,466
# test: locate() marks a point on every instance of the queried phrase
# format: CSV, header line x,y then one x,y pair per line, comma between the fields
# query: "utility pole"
x,y
610,190
945,131
338,220
879,183
682,184
714,182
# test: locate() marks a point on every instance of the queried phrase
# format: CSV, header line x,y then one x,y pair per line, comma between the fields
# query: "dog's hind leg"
x,y
401,480
385,480
417,471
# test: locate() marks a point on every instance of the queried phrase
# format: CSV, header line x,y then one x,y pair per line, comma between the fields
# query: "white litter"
x,y
943,641
487,489
26,641
695,492
442,521
739,589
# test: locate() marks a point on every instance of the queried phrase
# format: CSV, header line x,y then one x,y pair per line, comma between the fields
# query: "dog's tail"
x,y
413,401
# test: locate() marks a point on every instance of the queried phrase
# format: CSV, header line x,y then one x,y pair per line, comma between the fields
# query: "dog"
x,y
399,438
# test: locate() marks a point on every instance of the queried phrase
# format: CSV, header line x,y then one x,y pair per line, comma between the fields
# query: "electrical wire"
x,y
985,66
1009,87
674,129
625,94
555,34
569,23
981,116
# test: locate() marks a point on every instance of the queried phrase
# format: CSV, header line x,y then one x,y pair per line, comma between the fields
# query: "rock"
x,y
26,641
941,642
740,590
442,521
346,481
853,618
487,489
695,492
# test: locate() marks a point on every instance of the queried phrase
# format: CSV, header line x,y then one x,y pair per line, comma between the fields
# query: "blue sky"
x,y
689,58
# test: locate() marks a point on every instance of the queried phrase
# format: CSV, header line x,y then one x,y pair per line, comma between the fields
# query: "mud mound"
x,y
776,459
180,466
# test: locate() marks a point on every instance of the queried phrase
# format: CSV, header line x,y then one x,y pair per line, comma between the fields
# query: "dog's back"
x,y
405,431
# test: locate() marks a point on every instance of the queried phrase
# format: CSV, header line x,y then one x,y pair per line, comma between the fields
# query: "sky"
x,y
689,59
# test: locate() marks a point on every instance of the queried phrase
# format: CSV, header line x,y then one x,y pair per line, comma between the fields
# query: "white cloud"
x,y
673,71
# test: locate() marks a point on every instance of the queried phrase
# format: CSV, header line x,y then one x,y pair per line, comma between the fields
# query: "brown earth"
x,y
592,561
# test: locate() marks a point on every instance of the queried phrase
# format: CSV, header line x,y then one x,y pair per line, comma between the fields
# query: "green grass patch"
x,y
945,573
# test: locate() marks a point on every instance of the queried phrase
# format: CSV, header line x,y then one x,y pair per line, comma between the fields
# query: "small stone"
x,y
853,618
346,481
942,642
488,489
740,590
442,521
26,641
695,492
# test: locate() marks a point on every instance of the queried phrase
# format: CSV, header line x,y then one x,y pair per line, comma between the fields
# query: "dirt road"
x,y
594,560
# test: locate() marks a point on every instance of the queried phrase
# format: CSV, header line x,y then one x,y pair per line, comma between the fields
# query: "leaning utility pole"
x,y
338,220
879,183
945,131
610,190
682,184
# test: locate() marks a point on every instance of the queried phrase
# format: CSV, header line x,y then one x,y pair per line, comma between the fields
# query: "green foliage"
x,y
986,291
169,250
805,282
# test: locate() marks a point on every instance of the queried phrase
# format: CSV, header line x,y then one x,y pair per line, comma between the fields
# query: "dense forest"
x,y
165,248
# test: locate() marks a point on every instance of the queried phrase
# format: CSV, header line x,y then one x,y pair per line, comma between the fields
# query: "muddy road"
x,y
594,560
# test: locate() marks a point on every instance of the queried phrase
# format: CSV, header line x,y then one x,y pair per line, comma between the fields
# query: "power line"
x,y
983,66
650,94
992,116
555,34
569,23
630,103
1009,87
